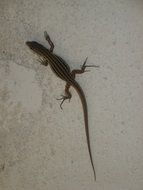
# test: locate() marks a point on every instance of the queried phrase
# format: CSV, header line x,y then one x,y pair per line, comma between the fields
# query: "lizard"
x,y
62,70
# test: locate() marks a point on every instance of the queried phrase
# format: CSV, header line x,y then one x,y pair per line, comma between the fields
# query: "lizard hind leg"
x,y
66,96
82,70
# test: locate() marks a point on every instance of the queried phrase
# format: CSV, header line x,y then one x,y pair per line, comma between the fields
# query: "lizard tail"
x,y
85,112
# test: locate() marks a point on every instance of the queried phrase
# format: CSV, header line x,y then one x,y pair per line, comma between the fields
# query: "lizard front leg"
x,y
47,37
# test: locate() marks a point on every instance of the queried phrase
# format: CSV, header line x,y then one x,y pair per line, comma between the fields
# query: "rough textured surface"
x,y
42,147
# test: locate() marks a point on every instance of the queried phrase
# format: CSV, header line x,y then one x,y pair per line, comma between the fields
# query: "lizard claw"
x,y
46,35
63,98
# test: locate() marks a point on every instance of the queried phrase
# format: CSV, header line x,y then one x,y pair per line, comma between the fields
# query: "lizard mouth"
x,y
29,44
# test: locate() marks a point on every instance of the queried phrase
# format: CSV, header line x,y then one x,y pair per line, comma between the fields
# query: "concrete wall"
x,y
43,147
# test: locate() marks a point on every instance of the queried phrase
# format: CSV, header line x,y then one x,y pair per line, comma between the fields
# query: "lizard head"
x,y
36,48
32,45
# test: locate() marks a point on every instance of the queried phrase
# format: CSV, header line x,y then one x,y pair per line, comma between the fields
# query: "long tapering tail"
x,y
85,112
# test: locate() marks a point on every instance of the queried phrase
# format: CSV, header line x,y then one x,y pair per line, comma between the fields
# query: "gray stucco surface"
x,y
43,147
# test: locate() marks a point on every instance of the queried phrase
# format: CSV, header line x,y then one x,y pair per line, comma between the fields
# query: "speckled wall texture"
x,y
43,147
